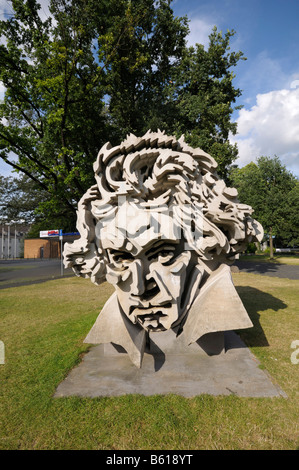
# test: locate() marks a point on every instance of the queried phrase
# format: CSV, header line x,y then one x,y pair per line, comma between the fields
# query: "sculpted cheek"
x,y
116,277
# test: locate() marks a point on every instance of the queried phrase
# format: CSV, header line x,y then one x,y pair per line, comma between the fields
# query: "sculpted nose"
x,y
143,284
138,285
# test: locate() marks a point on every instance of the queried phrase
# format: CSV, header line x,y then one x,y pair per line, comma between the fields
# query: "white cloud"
x,y
261,74
269,128
44,10
265,72
199,31
6,170
5,9
2,90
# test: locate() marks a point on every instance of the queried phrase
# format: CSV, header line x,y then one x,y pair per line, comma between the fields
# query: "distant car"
x,y
283,250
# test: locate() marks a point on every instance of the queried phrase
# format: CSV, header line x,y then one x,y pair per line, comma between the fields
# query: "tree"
x,y
273,192
203,94
19,198
47,72
96,71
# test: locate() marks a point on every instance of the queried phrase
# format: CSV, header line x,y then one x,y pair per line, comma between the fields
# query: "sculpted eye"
x,y
165,255
121,256
163,252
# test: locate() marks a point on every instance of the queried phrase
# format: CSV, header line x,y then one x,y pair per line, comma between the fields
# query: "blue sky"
x,y
267,32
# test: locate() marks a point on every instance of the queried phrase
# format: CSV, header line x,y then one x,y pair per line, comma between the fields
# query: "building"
x,y
41,248
12,240
45,248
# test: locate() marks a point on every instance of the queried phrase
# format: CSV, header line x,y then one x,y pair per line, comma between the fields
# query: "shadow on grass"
x,y
6,284
255,266
256,301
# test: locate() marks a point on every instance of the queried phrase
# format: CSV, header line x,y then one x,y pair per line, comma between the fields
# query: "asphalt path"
x,y
269,269
14,273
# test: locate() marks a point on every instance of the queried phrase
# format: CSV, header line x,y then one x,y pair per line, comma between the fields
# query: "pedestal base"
x,y
168,343
104,371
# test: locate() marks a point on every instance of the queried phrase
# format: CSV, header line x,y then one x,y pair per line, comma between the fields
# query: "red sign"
x,y
49,233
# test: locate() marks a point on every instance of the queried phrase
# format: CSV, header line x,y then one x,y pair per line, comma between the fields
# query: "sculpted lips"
x,y
152,321
148,307
149,317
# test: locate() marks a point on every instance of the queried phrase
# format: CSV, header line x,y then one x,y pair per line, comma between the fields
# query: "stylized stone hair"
x,y
157,169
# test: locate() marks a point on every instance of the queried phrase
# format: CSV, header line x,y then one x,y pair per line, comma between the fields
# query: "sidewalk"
x,y
22,272
268,269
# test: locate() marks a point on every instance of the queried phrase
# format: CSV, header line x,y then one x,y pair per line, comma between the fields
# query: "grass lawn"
x,y
43,327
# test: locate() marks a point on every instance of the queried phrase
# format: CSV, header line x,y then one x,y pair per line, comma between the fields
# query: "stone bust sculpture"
x,y
163,228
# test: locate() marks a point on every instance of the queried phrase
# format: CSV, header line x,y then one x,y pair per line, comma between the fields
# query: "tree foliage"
x,y
96,71
18,199
203,95
273,192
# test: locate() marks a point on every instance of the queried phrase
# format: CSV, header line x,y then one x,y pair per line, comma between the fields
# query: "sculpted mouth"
x,y
151,321
148,308
150,317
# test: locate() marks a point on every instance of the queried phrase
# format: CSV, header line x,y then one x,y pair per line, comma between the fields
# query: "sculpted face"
x,y
157,223
150,271
150,282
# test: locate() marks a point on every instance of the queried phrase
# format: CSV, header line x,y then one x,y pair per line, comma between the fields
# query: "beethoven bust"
x,y
161,227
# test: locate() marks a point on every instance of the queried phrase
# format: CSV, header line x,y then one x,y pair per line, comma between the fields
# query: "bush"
x,y
251,248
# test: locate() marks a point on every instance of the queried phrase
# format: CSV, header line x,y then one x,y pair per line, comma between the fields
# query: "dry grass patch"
x,y
43,327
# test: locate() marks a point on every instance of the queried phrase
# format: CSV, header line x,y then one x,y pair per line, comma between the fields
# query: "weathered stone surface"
x,y
163,228
111,373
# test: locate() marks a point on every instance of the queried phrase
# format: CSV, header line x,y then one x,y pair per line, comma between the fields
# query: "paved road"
x,y
15,273
269,269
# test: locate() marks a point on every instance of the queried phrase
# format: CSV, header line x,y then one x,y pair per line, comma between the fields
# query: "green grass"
x,y
43,327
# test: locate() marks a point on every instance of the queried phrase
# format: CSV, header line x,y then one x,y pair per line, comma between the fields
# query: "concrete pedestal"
x,y
227,368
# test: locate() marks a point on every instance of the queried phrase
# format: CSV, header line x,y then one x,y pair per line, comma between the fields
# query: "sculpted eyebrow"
x,y
113,252
116,253
162,244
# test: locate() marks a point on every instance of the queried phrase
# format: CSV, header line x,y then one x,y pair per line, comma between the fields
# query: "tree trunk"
x,y
271,243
